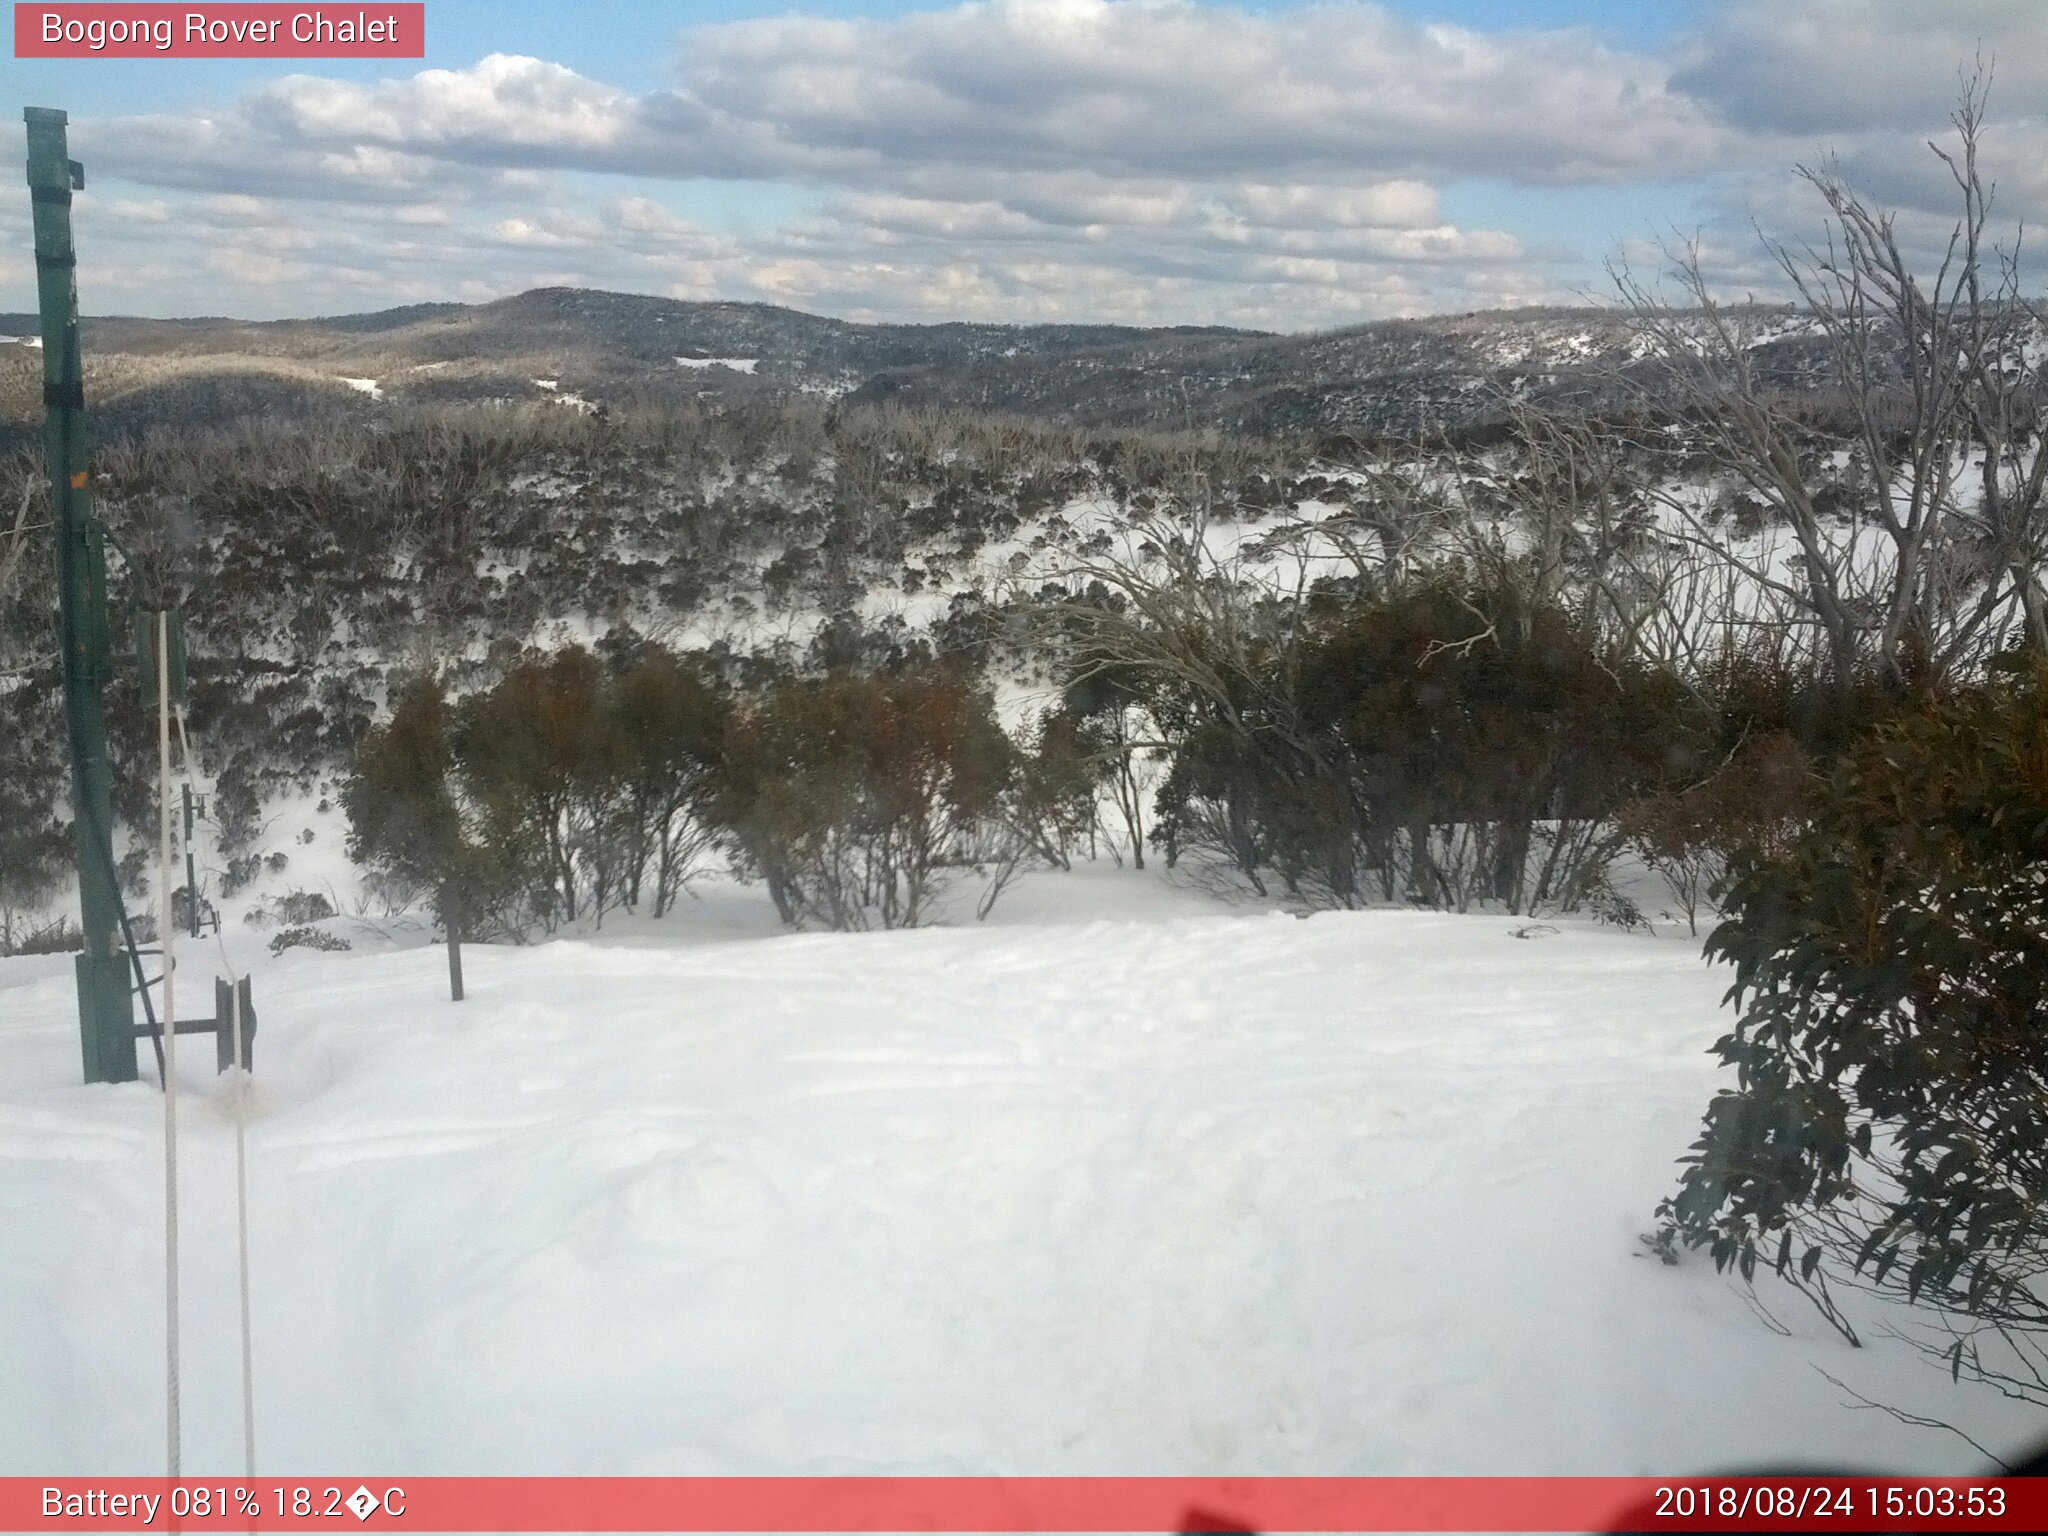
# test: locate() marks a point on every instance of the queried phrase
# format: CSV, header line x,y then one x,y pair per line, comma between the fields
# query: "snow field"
x,y
1124,1181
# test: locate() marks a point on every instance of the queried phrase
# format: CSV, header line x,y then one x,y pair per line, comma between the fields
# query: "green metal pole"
x,y
106,1018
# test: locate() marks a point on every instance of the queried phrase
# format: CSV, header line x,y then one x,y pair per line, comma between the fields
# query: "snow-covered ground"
x,y
1124,1181
563,396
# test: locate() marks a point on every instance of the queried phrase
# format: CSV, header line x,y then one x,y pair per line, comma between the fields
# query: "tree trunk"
x,y
451,919
1513,835
1127,799
1422,881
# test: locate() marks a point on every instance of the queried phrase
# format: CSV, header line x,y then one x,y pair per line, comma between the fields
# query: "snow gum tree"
x,y
405,818
851,795
669,716
1913,495
536,754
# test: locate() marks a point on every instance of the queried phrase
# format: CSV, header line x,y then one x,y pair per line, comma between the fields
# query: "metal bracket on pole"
x,y
233,1007
106,1020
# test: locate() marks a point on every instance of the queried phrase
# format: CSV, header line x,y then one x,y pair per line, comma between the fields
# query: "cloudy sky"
x,y
1263,163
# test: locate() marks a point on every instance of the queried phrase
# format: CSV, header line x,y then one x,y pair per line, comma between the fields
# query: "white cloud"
x,y
1111,159
1169,87
1127,87
1387,204
1834,68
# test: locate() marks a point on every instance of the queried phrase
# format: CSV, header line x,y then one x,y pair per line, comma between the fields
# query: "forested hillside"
x,y
1457,373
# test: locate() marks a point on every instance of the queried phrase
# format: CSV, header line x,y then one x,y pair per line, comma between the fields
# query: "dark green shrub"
x,y
1691,835
1446,741
1889,1122
307,938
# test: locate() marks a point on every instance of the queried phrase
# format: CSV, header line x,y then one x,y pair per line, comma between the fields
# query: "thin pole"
x,y
166,943
241,1039
242,1225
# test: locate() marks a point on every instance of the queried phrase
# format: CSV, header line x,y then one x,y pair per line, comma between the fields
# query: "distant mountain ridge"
x,y
588,347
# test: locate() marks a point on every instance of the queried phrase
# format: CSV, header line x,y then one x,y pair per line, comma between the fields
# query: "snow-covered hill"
x,y
1443,373
1123,1181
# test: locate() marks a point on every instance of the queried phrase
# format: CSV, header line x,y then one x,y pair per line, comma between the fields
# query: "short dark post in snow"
x,y
226,998
451,920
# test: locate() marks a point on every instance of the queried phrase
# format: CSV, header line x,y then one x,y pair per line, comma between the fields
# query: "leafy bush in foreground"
x,y
1889,1125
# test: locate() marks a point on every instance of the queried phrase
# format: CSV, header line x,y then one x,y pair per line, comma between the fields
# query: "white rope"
x,y
242,1223
241,1108
165,935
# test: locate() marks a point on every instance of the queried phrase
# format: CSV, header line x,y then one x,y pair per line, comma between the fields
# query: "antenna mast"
x,y
106,1018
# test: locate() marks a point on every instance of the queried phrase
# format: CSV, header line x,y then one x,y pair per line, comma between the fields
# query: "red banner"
x,y
361,31
1002,1504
